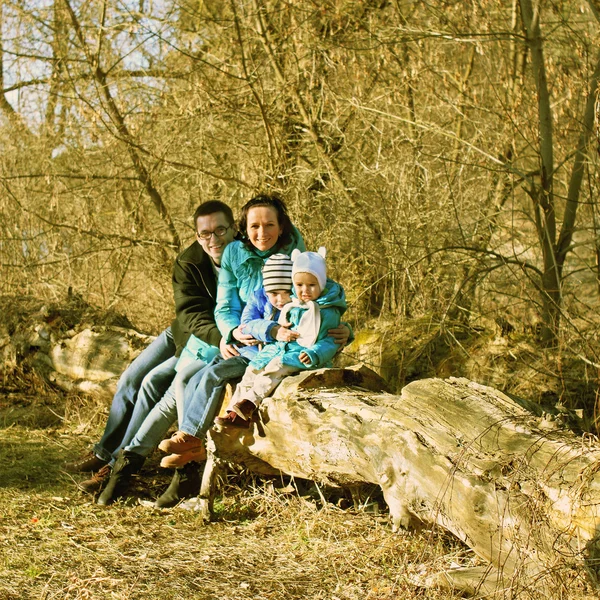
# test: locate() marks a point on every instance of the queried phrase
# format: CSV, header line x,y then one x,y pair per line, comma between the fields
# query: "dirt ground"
x,y
266,542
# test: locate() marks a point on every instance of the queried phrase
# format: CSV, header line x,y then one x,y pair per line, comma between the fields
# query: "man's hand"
x,y
243,338
339,334
228,350
304,358
282,334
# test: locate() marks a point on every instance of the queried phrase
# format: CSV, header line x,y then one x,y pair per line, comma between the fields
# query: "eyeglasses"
x,y
218,232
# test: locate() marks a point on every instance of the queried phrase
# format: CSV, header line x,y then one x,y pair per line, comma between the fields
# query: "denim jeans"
x,y
163,414
180,382
140,387
203,393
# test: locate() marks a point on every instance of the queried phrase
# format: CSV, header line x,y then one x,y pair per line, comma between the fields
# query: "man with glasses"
x,y
150,375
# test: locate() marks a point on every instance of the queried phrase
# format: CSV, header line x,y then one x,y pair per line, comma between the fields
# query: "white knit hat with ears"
x,y
311,262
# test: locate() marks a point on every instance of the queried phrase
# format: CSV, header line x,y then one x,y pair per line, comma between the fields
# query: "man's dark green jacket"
x,y
195,291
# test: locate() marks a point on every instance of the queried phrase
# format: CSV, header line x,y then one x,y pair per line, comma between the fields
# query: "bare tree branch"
x,y
121,126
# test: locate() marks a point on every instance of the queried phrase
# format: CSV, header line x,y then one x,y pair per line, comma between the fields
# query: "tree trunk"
x,y
543,195
101,77
524,495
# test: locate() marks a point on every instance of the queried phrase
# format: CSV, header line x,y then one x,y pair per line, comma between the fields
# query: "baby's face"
x,y
279,298
306,286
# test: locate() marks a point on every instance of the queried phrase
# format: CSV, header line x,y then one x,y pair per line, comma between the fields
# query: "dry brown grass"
x,y
57,544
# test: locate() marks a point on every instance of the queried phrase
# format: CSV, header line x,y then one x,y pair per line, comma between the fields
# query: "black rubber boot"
x,y
128,464
185,484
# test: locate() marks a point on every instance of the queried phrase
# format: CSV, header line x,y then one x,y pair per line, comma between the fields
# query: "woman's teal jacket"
x,y
241,275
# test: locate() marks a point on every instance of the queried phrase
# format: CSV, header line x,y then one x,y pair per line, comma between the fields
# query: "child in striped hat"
x,y
277,280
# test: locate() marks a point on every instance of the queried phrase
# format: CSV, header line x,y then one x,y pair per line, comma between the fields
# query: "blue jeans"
x,y
140,387
163,414
203,393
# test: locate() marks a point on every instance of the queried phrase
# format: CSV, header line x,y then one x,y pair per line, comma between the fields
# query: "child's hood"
x,y
333,296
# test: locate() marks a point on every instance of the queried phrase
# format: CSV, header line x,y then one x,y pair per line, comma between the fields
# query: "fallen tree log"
x,y
73,346
90,360
524,495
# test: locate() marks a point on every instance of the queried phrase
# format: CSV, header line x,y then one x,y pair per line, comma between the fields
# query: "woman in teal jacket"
x,y
242,262
266,229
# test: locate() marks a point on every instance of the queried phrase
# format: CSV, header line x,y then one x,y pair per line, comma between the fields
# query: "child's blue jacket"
x,y
332,304
258,319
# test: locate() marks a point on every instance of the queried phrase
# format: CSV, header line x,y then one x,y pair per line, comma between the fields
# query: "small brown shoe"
x,y
245,409
97,481
179,443
90,462
232,419
178,460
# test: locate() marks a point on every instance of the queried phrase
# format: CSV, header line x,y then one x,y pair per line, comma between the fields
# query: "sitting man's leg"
x,y
156,386
160,350
150,432
150,393
131,459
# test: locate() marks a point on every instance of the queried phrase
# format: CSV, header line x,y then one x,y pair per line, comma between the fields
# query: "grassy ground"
x,y
57,544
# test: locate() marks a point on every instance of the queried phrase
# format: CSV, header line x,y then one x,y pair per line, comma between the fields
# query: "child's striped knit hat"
x,y
277,273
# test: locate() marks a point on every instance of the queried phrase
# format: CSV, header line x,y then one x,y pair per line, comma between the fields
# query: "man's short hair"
x,y
213,206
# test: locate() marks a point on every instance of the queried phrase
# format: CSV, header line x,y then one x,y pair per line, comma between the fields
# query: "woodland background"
x,y
445,153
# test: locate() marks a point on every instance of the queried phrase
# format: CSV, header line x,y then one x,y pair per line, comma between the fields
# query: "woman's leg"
x,y
155,425
131,459
203,401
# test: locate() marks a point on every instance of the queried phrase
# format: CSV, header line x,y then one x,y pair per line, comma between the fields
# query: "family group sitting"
x,y
250,302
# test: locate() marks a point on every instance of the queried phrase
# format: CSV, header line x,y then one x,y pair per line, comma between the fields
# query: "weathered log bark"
x,y
75,347
522,494
92,360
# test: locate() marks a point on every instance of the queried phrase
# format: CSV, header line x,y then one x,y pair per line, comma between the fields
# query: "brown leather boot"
x,y
178,460
97,481
179,443
89,462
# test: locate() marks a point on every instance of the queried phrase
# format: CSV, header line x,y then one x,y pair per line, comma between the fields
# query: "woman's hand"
x,y
304,358
340,335
243,338
282,333
228,350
